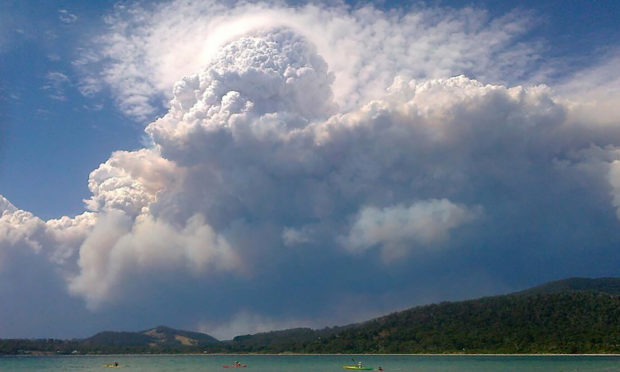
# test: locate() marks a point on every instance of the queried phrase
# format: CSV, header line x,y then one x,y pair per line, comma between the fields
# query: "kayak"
x,y
234,366
112,365
357,368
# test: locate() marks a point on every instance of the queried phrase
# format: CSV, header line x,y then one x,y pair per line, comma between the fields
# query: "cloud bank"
x,y
147,50
295,150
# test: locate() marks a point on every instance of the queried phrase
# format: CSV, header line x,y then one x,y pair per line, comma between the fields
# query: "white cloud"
x,y
258,88
89,86
148,49
292,237
399,229
129,181
593,93
609,159
6,206
66,235
18,229
58,239
56,82
120,248
66,17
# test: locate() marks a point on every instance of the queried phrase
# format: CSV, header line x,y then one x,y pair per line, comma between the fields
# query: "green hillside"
x,y
547,323
568,316
159,337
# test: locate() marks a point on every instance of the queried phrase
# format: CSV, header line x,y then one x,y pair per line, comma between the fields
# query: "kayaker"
x,y
359,364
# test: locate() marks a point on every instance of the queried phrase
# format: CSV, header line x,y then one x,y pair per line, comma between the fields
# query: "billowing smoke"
x,y
280,161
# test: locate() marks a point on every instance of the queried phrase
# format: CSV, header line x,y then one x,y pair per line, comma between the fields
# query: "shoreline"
x,y
307,354
416,354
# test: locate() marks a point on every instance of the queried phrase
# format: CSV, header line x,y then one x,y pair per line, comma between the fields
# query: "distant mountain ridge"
x,y
605,285
575,315
160,336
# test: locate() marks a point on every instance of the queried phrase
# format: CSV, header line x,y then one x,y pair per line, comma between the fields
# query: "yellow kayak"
x,y
112,365
357,368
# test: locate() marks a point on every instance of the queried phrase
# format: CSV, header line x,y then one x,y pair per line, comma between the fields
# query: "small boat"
x,y
357,367
112,365
235,365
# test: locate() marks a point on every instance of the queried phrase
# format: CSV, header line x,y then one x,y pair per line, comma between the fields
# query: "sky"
x,y
233,167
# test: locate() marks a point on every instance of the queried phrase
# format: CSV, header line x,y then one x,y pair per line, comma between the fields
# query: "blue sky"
x,y
360,148
46,140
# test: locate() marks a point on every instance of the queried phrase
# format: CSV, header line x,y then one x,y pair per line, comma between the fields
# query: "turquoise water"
x,y
314,363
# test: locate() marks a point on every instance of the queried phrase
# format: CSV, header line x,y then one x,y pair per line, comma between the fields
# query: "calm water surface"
x,y
315,363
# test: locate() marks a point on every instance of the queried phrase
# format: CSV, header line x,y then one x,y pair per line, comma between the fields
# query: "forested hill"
x,y
159,337
568,316
571,322
156,340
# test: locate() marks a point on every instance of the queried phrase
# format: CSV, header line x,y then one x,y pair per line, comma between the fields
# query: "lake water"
x,y
314,363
